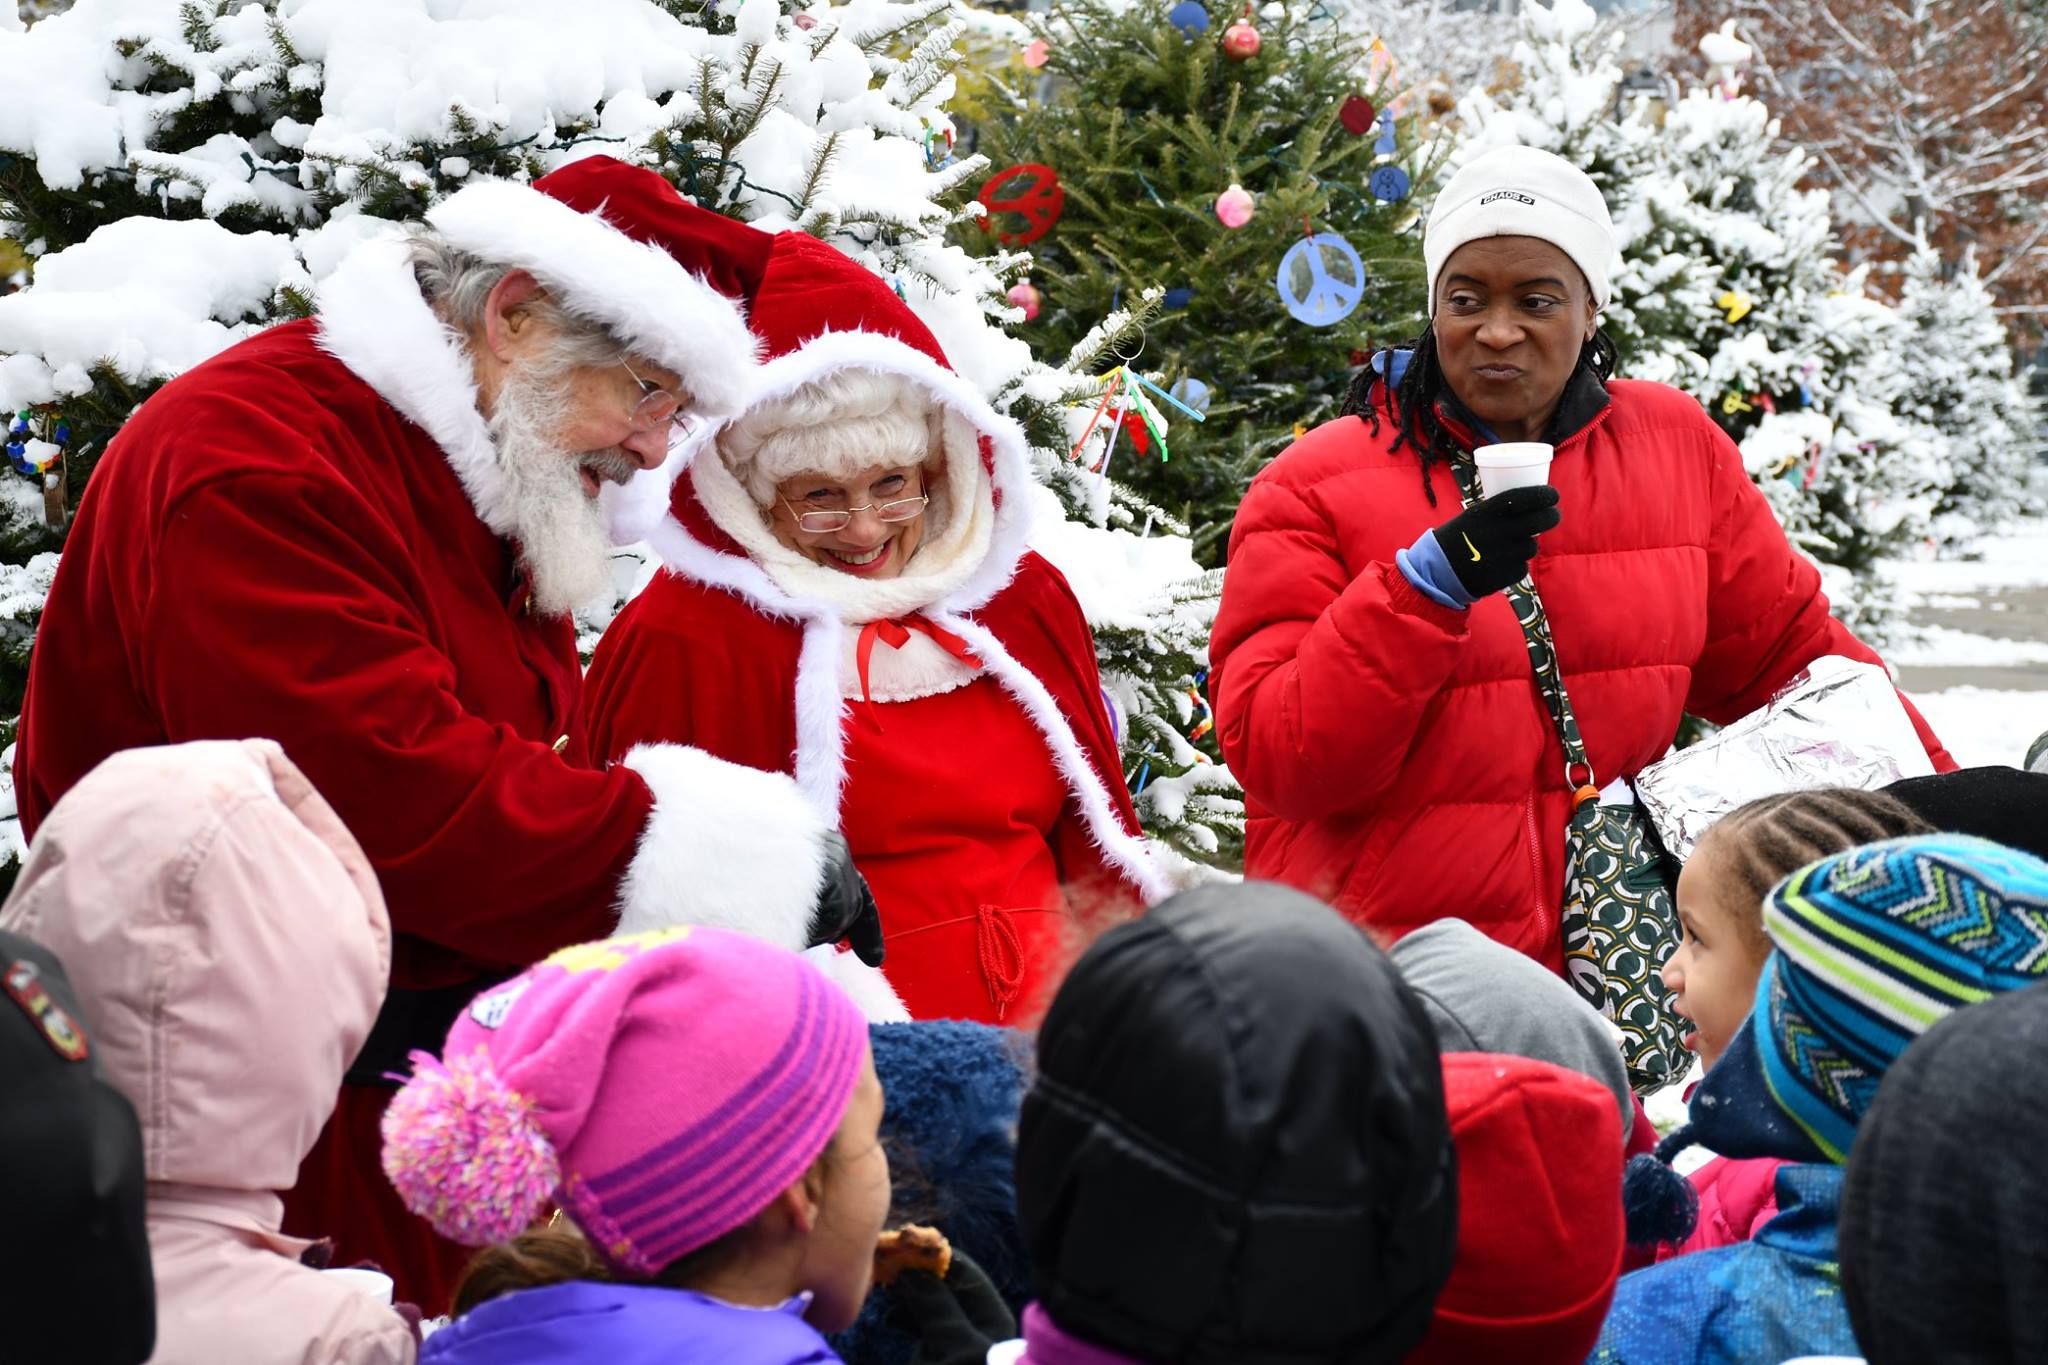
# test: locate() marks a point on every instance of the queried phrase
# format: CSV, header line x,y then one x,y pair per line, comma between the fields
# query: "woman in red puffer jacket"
x,y
1372,689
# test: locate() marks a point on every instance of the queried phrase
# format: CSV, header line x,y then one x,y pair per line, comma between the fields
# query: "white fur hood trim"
x,y
373,320
967,583
634,289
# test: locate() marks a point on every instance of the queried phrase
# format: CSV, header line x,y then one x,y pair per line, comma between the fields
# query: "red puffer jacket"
x,y
1396,754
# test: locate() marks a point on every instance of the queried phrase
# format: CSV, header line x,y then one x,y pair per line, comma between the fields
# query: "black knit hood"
x,y
1235,1148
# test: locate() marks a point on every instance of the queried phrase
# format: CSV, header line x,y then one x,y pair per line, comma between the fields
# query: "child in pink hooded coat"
x,y
228,940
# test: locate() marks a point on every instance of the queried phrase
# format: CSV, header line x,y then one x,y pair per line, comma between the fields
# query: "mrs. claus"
x,y
847,596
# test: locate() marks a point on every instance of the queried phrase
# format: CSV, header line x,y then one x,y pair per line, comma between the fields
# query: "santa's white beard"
x,y
561,532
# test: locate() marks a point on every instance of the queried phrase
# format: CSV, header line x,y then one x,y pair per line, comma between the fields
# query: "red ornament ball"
x,y
1023,294
1241,41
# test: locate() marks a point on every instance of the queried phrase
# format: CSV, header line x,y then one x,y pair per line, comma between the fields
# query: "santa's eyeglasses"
x,y
657,405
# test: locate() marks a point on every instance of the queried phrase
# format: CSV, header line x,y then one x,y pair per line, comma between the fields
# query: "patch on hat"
x,y
25,987
490,1008
1515,195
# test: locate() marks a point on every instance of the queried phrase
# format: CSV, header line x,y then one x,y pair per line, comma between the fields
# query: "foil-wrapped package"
x,y
1837,724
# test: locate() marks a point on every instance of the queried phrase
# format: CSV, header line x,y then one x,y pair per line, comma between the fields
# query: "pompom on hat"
x,y
1523,192
1872,948
662,1088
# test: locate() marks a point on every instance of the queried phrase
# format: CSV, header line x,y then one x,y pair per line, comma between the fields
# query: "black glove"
x,y
1491,542
955,1320
846,908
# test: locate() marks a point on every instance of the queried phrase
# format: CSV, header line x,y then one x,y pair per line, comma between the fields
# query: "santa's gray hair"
x,y
850,419
458,285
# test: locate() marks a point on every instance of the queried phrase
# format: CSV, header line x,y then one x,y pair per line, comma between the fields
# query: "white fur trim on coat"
x,y
1120,849
634,289
865,985
725,845
373,320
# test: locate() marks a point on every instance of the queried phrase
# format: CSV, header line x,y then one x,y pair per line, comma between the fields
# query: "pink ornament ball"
x,y
1023,294
1241,41
1234,207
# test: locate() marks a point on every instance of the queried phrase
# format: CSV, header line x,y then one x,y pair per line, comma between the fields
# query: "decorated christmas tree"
x,y
1249,163
184,174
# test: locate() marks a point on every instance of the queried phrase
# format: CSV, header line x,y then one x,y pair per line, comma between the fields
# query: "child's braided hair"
x,y
1769,839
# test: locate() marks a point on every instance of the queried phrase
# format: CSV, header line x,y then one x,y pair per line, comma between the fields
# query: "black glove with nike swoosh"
x,y
1490,543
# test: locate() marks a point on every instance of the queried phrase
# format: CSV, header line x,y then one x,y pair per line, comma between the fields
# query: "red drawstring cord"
x,y
1002,956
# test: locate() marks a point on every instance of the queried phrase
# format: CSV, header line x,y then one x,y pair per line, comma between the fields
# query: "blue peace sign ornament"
x,y
1321,279
1388,184
1191,17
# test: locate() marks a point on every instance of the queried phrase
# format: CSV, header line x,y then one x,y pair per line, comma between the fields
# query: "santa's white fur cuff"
x,y
728,846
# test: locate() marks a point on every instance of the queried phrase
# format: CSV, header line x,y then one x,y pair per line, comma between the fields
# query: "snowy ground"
x,y
1978,667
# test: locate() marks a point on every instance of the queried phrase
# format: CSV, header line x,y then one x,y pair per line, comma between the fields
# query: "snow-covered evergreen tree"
x,y
185,173
1960,382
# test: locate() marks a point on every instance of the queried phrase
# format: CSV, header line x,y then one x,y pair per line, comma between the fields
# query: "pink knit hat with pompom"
x,y
663,1088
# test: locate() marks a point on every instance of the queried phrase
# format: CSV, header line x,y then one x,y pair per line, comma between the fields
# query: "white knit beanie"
x,y
1523,192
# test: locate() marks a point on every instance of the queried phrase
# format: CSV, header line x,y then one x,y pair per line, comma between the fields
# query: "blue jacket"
x,y
1772,1298
584,1323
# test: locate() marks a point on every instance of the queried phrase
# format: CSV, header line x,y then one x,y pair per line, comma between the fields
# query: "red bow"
x,y
896,634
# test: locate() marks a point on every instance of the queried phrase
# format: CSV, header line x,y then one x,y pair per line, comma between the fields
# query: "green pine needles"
x,y
1146,125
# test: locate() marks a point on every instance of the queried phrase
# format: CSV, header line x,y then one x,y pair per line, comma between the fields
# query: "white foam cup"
x,y
375,1283
1512,464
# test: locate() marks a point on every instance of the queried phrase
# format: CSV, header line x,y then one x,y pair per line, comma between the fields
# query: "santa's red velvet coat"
x,y
988,807
306,539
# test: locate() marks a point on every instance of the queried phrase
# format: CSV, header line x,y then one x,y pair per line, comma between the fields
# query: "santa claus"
x,y
361,535
851,551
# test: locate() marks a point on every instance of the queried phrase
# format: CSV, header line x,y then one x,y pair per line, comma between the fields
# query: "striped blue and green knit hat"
x,y
1875,947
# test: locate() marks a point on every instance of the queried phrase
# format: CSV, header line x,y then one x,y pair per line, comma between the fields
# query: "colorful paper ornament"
x,y
1736,303
1234,206
1039,205
1177,297
1023,294
1385,146
1321,280
1357,115
1192,392
1037,53
1241,41
1388,184
1191,17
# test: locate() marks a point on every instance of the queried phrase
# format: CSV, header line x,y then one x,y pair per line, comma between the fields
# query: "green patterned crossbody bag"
x,y
1618,922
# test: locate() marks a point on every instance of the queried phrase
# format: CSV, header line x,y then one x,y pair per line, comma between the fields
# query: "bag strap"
x,y
1535,623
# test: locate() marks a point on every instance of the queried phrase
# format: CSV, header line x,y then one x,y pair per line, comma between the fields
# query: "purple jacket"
x,y
1044,1343
585,1323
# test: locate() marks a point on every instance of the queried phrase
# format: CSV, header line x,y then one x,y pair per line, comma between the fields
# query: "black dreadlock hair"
x,y
1416,399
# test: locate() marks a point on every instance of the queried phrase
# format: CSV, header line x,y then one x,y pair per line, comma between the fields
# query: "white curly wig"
x,y
849,420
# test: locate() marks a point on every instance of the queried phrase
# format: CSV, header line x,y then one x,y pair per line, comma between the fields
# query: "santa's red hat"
x,y
1539,1213
617,246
